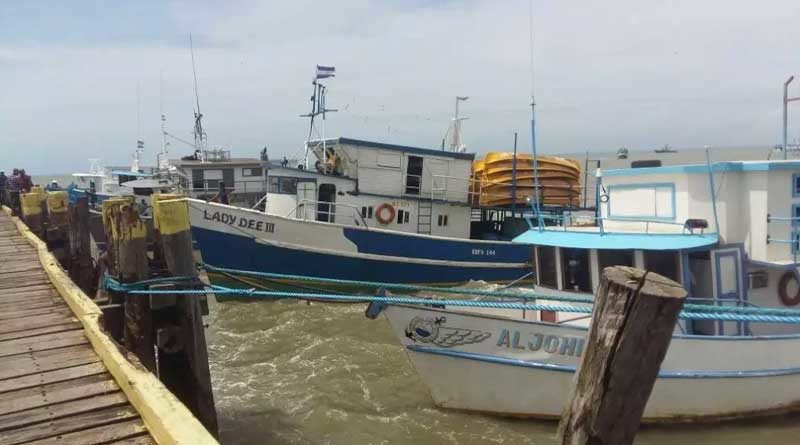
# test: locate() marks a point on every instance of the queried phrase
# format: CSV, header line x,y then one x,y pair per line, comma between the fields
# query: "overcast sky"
x,y
635,73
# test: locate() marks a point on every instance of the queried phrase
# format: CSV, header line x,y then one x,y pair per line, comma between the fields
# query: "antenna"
x,y
318,107
536,188
162,157
199,133
139,141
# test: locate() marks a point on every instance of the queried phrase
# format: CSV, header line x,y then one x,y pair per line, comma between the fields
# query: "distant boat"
x,y
666,149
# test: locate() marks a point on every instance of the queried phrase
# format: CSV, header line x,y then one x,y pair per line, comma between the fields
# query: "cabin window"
x,y
608,258
663,262
366,212
414,175
402,217
254,171
442,220
284,185
547,267
796,185
575,270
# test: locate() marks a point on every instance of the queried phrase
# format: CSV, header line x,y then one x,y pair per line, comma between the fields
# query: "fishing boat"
x,y
727,232
364,210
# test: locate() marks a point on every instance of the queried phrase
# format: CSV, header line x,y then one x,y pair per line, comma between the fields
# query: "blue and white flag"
x,y
323,72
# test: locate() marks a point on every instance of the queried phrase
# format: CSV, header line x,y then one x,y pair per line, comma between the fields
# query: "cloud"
x,y
608,74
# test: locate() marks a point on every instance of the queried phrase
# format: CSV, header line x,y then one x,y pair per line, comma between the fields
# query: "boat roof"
x,y
616,240
147,183
131,173
255,162
402,148
728,166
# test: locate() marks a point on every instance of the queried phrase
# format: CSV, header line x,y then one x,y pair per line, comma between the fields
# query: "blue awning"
x,y
618,241
130,173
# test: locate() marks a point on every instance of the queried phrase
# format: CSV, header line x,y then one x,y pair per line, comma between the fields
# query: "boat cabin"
x,y
379,185
730,237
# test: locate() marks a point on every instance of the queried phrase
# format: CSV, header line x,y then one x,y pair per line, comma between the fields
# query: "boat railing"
x,y
326,208
211,186
567,221
793,233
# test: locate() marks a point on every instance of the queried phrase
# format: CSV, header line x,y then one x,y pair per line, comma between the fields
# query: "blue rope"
x,y
407,300
524,295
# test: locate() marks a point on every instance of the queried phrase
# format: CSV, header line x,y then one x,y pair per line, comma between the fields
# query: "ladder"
x,y
424,216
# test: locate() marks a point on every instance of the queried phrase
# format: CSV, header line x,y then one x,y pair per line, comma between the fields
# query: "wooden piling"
x,y
32,212
57,223
632,324
128,236
81,269
184,364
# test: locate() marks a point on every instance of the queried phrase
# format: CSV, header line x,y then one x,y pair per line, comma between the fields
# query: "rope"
x,y
520,294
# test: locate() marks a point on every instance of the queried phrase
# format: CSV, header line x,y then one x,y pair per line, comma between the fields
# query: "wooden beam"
x,y
632,324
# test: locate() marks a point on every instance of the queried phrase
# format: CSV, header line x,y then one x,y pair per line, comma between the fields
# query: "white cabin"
x,y
730,238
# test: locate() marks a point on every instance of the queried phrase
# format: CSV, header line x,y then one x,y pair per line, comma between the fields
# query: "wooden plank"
x,y
64,409
24,301
17,282
38,321
20,365
65,425
102,434
46,286
24,295
52,309
42,343
44,395
19,265
54,376
68,326
144,439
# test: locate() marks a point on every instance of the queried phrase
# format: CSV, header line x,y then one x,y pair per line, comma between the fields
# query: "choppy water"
x,y
290,373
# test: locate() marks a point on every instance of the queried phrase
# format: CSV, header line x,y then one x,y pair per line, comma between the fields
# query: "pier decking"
x,y
54,387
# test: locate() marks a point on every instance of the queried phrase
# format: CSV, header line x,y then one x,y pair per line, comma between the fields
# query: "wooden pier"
x,y
62,379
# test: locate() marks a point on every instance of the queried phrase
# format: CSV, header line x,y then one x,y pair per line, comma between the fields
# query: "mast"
x,y
536,189
318,107
139,142
162,157
200,138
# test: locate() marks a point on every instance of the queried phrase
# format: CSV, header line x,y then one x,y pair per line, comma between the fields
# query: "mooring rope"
x,y
711,314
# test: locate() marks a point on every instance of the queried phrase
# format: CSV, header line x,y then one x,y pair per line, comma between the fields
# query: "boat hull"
x,y
241,239
491,363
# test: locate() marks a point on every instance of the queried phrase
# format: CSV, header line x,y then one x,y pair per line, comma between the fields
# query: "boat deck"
x,y
54,387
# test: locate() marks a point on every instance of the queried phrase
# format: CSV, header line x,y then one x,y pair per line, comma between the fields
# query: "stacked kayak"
x,y
492,178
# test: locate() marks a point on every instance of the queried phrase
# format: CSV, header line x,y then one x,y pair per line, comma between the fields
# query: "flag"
x,y
323,72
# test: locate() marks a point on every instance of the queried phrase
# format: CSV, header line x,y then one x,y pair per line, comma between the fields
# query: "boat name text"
x,y
552,344
241,222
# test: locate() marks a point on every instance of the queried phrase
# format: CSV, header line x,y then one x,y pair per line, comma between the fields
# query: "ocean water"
x,y
292,373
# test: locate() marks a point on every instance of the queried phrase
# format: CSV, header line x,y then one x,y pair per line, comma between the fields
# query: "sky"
x,y
632,73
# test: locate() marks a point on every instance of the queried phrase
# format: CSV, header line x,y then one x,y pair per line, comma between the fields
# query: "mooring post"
x,y
111,303
57,204
81,269
632,324
184,366
32,211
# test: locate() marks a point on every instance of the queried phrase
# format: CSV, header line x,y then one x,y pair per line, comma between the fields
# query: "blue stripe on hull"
x,y
403,245
239,252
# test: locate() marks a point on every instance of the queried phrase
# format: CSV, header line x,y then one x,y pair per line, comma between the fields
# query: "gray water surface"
x,y
291,373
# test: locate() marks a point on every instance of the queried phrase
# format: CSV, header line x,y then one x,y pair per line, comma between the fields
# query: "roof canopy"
x,y
616,241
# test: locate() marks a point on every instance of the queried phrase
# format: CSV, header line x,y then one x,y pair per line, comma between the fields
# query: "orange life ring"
x,y
379,213
783,292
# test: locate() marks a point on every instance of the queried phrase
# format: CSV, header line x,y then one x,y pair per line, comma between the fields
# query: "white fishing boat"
x,y
730,238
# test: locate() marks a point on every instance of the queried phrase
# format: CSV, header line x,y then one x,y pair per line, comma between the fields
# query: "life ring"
x,y
783,293
379,213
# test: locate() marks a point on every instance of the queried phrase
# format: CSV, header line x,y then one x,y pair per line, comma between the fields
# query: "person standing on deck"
x,y
13,185
26,183
222,196
3,181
